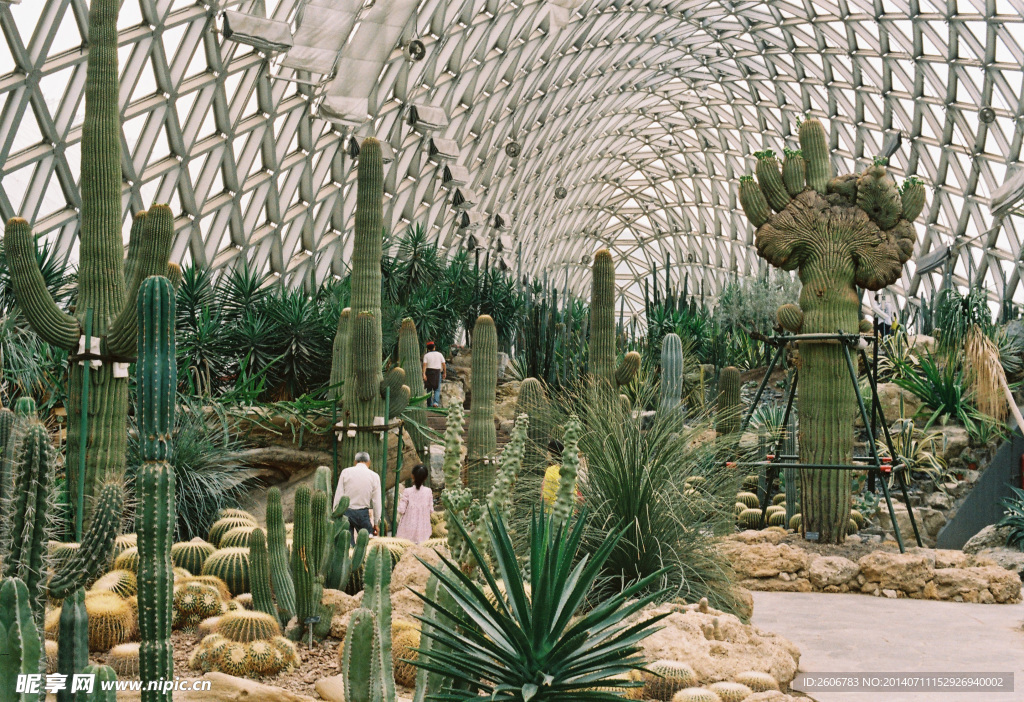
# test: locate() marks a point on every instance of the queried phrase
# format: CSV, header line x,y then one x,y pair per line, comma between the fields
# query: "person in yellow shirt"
x,y
550,488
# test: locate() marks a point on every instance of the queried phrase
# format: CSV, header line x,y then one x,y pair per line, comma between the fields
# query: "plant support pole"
x,y
384,458
84,437
398,473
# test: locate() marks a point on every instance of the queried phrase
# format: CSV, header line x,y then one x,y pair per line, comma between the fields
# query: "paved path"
x,y
856,633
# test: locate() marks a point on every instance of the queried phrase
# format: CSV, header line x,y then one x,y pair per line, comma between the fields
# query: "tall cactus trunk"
x,y
362,405
671,396
602,329
102,288
157,380
483,438
410,359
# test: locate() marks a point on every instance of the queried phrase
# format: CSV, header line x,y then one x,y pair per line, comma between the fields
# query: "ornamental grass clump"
x,y
545,646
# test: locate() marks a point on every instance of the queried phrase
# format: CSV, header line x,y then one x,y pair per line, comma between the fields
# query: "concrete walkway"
x,y
840,633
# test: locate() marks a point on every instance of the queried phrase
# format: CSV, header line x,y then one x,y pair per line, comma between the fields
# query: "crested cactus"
x,y
362,404
533,402
232,566
191,555
410,359
482,438
841,234
565,499
89,559
73,640
26,539
602,328
277,549
21,647
728,417
671,373
103,289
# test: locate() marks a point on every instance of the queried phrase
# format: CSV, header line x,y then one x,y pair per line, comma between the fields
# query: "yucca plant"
x,y
512,646
940,385
1014,518
919,450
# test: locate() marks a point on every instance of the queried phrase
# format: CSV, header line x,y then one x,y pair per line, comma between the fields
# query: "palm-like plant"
x,y
540,647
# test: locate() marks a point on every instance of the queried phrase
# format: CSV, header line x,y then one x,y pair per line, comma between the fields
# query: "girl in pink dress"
x,y
415,508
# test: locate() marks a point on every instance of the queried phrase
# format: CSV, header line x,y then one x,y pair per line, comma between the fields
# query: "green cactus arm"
x,y
322,531
51,323
814,147
97,544
154,250
394,379
769,179
21,649
131,259
340,564
338,349
365,364
280,572
627,369
174,275
259,574
410,359
399,401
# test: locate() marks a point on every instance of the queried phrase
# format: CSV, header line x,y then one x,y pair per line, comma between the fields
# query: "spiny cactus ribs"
x,y
840,234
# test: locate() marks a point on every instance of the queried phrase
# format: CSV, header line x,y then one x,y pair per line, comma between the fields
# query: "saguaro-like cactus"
x,y
841,234
6,444
360,658
602,327
102,287
21,647
29,518
306,563
533,402
482,438
365,386
155,514
411,361
671,373
728,416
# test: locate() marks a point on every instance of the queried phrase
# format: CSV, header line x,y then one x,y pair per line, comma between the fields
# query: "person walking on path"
x,y
415,508
362,487
434,369
884,312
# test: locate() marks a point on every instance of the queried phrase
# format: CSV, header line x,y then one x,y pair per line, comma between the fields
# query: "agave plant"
x,y
919,450
1014,518
515,646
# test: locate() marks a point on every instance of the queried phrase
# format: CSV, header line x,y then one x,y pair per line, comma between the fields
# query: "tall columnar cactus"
x,y
377,598
102,287
841,234
97,547
27,528
457,498
533,402
306,564
362,403
565,499
155,514
338,350
21,646
72,640
728,416
482,439
277,548
671,373
602,327
6,431
410,360
259,572
360,658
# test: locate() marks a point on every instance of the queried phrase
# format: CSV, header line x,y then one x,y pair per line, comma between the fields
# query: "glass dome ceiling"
x,y
539,131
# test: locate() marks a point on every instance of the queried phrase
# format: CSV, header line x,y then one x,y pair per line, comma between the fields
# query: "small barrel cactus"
x,y
757,681
191,555
111,620
194,602
237,537
248,625
696,694
405,640
748,498
749,519
122,583
128,560
232,566
225,524
665,678
124,659
731,691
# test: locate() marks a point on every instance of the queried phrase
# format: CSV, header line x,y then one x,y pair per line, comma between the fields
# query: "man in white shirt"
x,y
884,312
362,487
434,369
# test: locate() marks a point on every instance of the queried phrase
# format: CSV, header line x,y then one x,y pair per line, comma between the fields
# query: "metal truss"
x,y
630,124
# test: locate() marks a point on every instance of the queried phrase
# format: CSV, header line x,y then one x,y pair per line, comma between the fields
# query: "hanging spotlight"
x,y
353,146
891,145
415,50
560,193
987,115
513,149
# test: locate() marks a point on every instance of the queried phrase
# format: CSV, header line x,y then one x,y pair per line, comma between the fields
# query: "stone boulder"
x,y
832,571
906,528
922,343
764,560
991,536
1008,558
979,584
410,572
453,391
897,571
953,442
506,397
890,395
739,647
436,467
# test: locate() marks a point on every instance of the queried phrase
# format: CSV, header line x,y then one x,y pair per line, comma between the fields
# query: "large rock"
x,y
331,689
453,391
979,584
741,647
897,571
922,343
410,571
953,442
764,560
890,395
436,467
991,536
832,570
1008,558
903,520
228,688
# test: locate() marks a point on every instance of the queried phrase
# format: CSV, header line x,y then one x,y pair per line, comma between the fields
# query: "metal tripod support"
x,y
872,463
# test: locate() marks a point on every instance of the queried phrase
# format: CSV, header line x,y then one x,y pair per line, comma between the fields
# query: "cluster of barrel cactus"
x,y
247,644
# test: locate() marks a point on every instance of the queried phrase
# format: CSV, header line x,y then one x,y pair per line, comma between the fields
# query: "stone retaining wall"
x,y
764,561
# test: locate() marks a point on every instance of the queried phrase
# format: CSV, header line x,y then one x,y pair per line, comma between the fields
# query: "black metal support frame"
x,y
872,463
